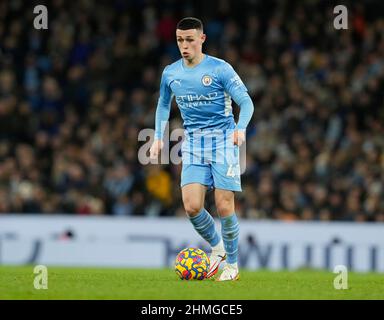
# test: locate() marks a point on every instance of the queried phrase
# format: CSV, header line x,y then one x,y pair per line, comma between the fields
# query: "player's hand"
x,y
155,149
238,137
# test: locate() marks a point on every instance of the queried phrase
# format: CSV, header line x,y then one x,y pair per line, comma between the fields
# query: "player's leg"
x,y
196,178
226,180
225,204
193,199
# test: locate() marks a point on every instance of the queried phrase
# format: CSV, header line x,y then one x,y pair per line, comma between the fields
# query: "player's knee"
x,y
225,208
192,207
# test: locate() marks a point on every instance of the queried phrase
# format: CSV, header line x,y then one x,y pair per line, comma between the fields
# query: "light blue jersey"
x,y
203,94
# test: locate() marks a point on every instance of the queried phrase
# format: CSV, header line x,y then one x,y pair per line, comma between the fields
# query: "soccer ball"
x,y
192,264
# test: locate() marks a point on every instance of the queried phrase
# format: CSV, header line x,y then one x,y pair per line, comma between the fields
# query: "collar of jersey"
x,y
194,67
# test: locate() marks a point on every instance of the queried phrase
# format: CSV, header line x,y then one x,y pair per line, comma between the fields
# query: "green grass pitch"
x,y
163,284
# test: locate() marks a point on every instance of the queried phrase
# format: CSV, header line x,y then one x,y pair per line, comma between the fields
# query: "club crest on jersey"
x,y
206,80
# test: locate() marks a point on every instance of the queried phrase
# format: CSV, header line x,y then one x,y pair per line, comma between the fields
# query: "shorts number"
x,y
232,170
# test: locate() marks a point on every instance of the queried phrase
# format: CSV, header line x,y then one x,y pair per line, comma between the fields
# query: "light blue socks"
x,y
205,226
230,231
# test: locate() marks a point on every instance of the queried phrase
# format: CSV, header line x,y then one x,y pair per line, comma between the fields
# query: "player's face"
x,y
190,42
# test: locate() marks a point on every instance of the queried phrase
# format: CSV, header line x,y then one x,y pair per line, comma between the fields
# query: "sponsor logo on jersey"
x,y
195,100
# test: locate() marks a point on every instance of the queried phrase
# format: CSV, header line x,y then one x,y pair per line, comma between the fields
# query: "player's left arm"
x,y
239,93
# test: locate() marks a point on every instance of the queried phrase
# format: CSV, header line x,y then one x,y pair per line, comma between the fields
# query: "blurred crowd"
x,y
74,98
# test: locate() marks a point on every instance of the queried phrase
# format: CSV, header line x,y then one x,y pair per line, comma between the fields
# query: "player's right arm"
x,y
162,115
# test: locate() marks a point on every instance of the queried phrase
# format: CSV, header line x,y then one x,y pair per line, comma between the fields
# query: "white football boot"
x,y
230,273
217,257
